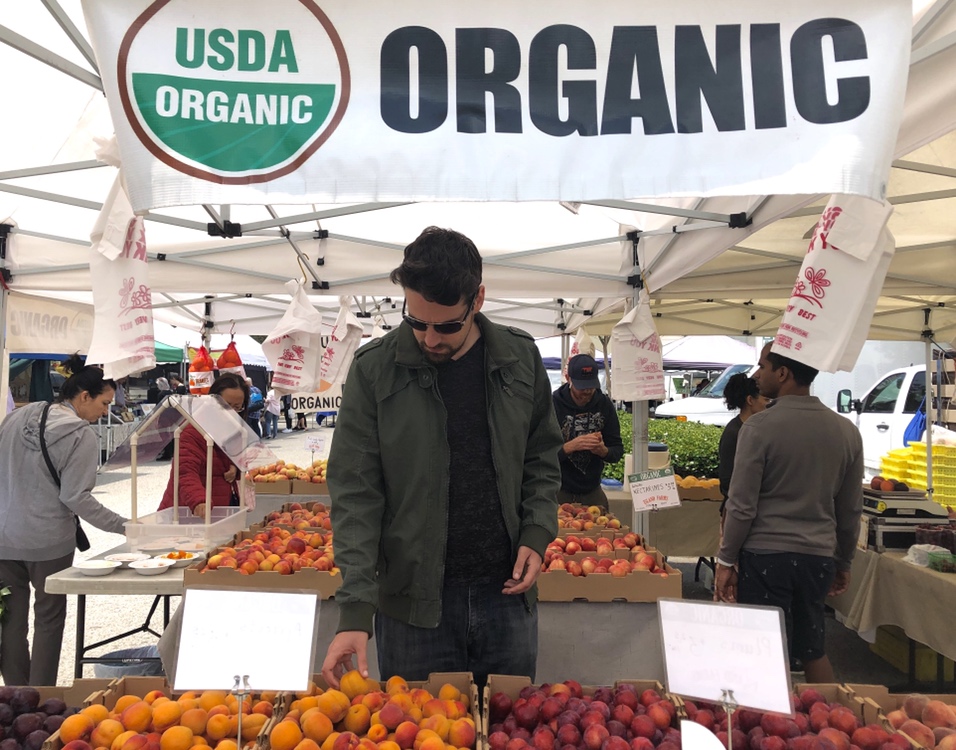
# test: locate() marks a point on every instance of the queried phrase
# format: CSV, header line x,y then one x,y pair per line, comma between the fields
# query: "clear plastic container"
x,y
163,526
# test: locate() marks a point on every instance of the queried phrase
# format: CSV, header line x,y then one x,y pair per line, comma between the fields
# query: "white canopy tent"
x,y
549,267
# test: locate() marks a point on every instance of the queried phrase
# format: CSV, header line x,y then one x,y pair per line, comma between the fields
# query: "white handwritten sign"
x,y
315,443
207,660
711,647
653,489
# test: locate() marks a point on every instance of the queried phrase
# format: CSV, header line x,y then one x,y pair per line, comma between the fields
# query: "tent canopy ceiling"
x,y
705,277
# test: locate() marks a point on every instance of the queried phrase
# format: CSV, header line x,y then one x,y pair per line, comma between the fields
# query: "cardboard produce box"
x,y
877,701
282,487
83,691
594,531
699,493
637,586
835,693
310,488
324,582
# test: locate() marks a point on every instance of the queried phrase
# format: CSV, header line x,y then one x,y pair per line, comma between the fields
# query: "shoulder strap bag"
x,y
82,541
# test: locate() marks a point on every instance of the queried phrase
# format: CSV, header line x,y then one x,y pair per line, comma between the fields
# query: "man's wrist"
x,y
724,563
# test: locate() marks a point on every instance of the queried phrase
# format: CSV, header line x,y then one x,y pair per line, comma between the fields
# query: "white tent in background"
x,y
706,353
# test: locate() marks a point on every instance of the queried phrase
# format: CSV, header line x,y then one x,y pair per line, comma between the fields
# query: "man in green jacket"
x,y
443,475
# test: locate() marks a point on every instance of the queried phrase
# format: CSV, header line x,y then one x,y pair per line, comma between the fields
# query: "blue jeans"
x,y
481,631
272,425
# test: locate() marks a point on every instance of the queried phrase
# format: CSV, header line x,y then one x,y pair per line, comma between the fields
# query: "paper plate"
x,y
96,567
125,558
152,567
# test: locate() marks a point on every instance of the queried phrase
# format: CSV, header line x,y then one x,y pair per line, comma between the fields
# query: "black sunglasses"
x,y
453,326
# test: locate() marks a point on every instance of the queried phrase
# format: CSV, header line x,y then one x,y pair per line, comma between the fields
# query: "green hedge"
x,y
693,447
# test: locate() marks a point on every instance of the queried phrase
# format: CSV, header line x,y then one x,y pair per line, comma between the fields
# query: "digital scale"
x,y
892,517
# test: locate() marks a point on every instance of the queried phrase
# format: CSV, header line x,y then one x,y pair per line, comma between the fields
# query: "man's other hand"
x,y
526,570
725,584
338,659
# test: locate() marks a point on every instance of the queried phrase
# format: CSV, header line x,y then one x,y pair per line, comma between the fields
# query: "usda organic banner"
x,y
298,101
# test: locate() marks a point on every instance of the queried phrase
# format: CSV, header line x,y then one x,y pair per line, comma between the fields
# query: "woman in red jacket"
x,y
192,456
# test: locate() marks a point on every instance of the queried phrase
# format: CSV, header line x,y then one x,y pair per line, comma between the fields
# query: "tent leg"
x,y
929,417
5,364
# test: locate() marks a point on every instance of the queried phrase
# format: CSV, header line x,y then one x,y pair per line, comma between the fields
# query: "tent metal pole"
x,y
5,365
929,412
208,322
639,419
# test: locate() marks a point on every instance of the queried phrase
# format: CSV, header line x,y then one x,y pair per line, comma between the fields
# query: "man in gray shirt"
x,y
793,510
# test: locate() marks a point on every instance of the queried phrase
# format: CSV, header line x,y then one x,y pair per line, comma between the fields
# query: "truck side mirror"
x,y
844,401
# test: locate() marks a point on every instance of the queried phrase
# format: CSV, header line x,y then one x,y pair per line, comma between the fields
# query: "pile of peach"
x,y
556,556
931,723
691,481
276,549
300,518
577,517
361,715
195,721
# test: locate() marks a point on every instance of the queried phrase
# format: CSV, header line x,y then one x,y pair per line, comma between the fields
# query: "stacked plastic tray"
x,y
944,471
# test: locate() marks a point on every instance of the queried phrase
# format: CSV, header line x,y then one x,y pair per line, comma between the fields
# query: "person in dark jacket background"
x,y
740,393
592,433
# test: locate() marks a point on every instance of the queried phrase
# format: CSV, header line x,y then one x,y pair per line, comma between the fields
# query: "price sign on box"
x,y
863,540
653,489
709,648
212,651
315,443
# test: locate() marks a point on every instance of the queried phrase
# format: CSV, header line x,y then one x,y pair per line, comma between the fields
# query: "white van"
x,y
884,412
708,406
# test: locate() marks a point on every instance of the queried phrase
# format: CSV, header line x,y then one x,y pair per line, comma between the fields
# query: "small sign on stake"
x,y
863,540
316,444
712,650
654,489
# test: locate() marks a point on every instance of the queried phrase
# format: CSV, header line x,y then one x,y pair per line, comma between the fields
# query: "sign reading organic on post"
x,y
654,489
332,101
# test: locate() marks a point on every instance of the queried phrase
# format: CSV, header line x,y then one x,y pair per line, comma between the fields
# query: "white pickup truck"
x,y
884,412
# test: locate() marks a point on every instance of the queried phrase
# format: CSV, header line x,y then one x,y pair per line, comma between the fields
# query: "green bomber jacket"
x,y
389,464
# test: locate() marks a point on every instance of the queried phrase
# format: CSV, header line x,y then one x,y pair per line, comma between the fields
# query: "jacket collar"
x,y
499,354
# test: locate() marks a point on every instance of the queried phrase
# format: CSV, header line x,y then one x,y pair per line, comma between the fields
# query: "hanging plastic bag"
x,y
345,339
201,373
839,281
230,361
917,426
636,361
294,348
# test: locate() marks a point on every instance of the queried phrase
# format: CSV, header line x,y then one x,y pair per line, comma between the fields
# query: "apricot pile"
x,y
360,715
194,721
691,481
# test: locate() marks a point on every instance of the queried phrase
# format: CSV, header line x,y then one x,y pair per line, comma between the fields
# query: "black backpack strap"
x,y
46,454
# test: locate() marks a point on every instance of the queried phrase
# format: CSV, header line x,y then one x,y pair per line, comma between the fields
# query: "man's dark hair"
x,y
802,374
442,265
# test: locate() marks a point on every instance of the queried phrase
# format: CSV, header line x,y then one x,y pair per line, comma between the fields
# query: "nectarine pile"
x,y
298,518
559,556
194,721
560,715
816,725
276,549
931,723
362,716
280,470
577,517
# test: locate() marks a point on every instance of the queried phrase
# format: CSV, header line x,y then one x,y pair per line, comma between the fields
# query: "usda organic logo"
x,y
234,93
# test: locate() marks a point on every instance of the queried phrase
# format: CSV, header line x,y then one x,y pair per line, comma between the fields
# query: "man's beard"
x,y
439,357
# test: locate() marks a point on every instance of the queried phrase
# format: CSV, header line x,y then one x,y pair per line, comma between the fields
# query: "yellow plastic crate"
x,y
892,645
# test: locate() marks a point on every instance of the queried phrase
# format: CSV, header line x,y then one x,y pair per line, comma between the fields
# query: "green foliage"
x,y
692,446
